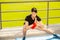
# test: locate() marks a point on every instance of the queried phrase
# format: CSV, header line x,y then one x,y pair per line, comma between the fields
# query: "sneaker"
x,y
23,38
56,36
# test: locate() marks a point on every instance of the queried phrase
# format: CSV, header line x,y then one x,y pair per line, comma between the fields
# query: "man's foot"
x,y
23,38
56,36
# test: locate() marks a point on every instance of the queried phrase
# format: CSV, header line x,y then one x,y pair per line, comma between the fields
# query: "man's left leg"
x,y
48,31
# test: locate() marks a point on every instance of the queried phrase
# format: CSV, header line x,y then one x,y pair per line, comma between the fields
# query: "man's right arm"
x,y
27,26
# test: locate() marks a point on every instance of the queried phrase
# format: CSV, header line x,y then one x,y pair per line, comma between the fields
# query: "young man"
x,y
32,21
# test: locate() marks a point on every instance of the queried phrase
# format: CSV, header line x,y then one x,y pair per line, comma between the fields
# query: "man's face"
x,y
34,14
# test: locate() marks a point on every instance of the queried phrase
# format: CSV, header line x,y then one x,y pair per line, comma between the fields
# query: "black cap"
x,y
34,10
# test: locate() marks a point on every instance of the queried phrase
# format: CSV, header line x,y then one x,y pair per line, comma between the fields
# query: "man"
x,y
32,21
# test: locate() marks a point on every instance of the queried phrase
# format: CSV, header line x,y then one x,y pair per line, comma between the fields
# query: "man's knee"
x,y
43,29
24,29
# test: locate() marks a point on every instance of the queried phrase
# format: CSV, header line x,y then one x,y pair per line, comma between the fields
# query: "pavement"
x,y
12,33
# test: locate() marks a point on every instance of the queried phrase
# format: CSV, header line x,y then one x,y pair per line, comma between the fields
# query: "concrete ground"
x,y
12,33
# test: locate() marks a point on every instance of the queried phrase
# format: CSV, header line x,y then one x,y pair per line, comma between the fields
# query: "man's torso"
x,y
30,20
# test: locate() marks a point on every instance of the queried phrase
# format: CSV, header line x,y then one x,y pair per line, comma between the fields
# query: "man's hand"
x,y
33,25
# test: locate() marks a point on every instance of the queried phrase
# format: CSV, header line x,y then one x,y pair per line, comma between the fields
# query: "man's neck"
x,y
32,17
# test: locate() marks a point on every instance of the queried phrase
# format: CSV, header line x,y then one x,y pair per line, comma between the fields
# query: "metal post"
x,y
47,14
0,18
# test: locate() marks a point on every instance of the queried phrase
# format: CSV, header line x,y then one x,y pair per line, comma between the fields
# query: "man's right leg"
x,y
24,33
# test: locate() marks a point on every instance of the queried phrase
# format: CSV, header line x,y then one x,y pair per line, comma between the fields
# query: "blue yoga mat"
x,y
49,37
